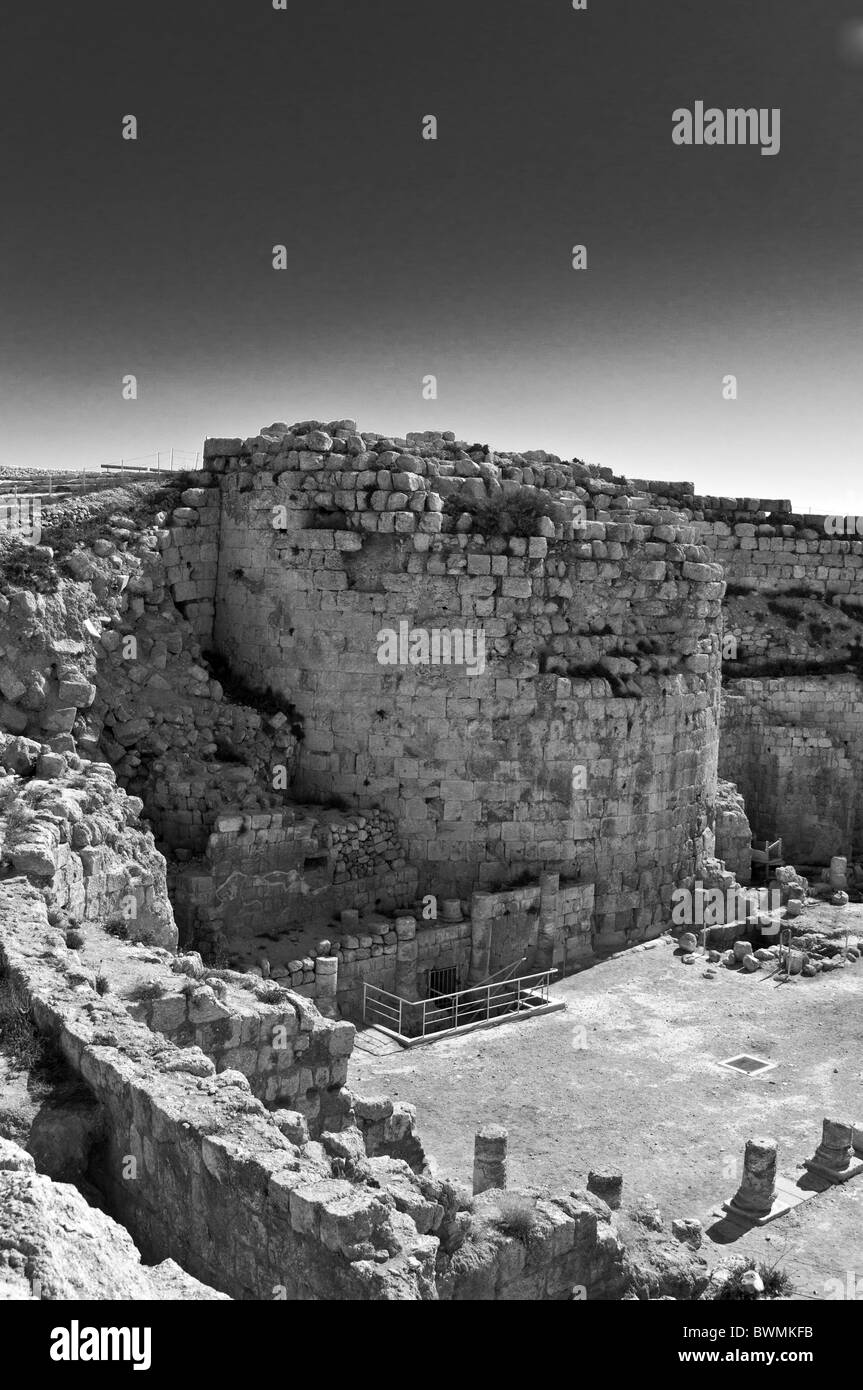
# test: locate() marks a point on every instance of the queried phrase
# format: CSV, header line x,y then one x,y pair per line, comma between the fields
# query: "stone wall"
x,y
190,552
540,926
777,550
732,832
100,660
199,1172
54,1246
270,881
220,644
77,835
794,747
791,723
291,1055
602,654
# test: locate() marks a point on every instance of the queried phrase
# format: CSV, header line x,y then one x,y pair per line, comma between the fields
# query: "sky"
x,y
408,258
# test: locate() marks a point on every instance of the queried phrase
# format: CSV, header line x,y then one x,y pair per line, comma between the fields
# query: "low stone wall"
x,y
442,945
282,874
537,927
548,924
292,1056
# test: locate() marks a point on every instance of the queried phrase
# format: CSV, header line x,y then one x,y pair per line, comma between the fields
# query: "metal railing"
x,y
164,460
412,1019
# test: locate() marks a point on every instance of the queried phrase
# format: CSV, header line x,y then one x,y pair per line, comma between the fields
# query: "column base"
x,y
821,1170
753,1218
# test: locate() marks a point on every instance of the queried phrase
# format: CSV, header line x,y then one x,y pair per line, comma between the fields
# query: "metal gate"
x,y
442,982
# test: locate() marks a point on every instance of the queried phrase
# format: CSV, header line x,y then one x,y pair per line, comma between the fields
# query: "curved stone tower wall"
x,y
587,743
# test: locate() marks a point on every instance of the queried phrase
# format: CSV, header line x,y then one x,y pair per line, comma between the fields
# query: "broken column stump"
x,y
327,985
407,952
489,1158
756,1201
607,1184
834,1159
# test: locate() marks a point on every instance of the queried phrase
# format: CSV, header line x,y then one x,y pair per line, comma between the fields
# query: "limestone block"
x,y
349,1219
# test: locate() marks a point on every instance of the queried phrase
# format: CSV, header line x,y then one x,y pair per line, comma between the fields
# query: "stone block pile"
x,y
77,835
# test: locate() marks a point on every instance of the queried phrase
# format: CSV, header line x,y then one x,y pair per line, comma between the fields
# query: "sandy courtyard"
x,y
628,1076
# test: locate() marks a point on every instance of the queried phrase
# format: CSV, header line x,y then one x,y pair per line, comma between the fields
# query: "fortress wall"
x,y
793,742
191,554
785,554
794,747
602,654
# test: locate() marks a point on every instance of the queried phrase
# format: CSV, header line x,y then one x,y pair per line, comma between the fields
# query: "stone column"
x,y
755,1200
607,1184
834,1158
406,957
481,920
327,985
489,1158
549,887
838,872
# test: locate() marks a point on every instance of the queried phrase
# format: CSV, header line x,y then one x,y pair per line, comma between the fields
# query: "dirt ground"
x,y
628,1076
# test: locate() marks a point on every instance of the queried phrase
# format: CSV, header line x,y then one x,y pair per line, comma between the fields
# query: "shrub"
x,y
777,1283
18,1035
517,1217
103,984
215,956
146,989
74,939
25,568
501,516
270,993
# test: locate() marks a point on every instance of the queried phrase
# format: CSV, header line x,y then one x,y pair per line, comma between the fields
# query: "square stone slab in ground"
x,y
747,1064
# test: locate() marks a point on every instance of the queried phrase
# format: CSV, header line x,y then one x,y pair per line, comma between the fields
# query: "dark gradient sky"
x,y
409,257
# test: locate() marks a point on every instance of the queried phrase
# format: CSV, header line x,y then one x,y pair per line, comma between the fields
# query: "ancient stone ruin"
x,y
348,735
